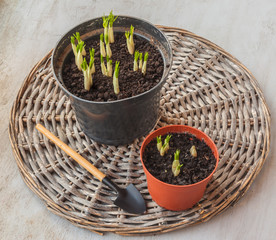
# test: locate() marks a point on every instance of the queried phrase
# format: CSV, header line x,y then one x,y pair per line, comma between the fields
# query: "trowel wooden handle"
x,y
78,158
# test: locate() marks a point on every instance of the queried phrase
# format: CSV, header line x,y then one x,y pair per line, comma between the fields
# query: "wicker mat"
x,y
207,88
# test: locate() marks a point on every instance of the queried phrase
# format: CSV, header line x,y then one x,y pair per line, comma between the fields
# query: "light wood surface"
x,y
29,29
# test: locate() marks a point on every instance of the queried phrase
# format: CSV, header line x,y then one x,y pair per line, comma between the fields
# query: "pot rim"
x,y
166,70
215,152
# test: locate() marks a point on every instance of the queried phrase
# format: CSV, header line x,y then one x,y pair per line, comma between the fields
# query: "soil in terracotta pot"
x,y
194,169
131,83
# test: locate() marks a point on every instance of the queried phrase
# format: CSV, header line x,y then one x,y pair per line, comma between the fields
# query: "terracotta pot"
x,y
177,197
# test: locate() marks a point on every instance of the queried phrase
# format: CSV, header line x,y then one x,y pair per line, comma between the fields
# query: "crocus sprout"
x,y
165,147
79,58
175,165
104,71
87,75
73,44
105,25
159,143
140,60
193,151
116,78
135,64
129,39
144,67
109,66
77,50
108,49
102,48
91,63
131,35
77,36
112,19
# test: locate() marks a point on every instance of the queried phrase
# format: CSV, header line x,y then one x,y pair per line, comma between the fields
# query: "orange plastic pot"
x,y
177,197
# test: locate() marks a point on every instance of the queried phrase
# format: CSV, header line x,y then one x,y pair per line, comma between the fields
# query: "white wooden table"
x,y
29,29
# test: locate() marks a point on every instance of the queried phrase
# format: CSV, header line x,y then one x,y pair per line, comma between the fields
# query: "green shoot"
x,y
105,25
167,139
176,154
87,75
91,63
175,165
104,71
80,46
79,58
84,65
135,64
116,78
165,147
131,34
159,143
109,66
102,48
77,36
140,61
193,151
112,19
144,67
129,39
108,49
88,70
127,34
77,50
73,44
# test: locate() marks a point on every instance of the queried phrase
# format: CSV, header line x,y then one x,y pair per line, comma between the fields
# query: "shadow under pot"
x,y
181,190
121,121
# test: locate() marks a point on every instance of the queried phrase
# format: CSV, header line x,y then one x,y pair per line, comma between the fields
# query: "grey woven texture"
x,y
207,89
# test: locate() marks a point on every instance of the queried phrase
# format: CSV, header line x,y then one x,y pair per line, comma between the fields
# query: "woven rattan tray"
x,y
207,88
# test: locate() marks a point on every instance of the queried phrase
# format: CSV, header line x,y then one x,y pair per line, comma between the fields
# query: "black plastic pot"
x,y
116,122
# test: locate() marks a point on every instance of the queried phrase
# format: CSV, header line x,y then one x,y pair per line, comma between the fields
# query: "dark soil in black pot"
x,y
194,169
131,83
